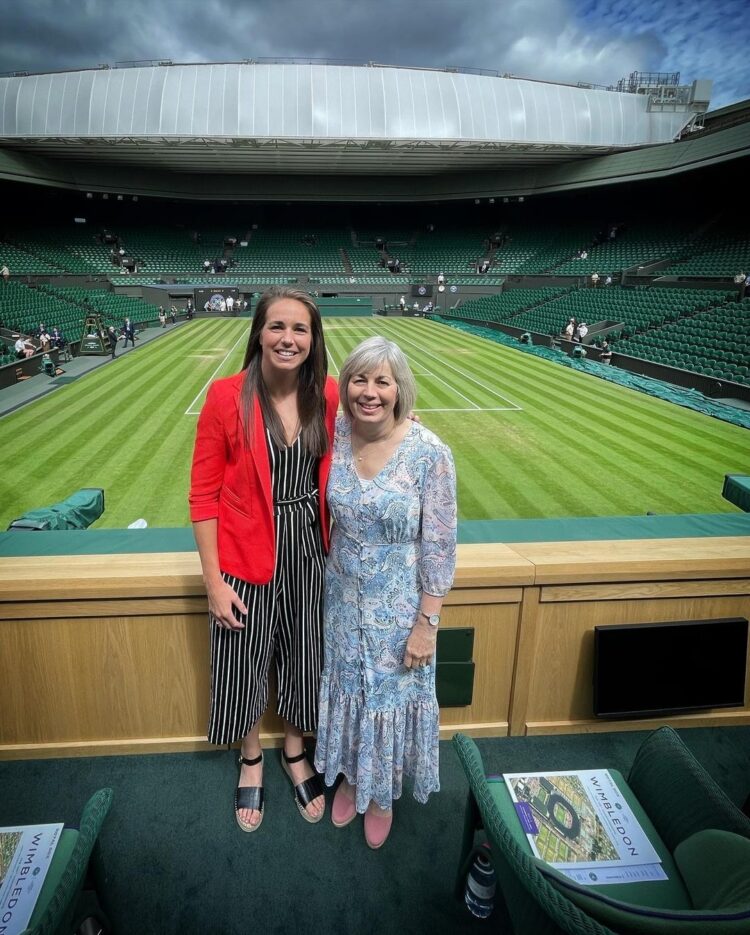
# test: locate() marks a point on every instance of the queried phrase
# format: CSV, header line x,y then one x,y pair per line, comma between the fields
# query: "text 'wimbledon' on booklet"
x,y
26,852
578,819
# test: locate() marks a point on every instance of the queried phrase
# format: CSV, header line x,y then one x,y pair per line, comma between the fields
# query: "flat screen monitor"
x,y
647,669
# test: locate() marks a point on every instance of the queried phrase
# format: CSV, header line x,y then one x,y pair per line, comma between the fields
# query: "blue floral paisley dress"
x,y
393,537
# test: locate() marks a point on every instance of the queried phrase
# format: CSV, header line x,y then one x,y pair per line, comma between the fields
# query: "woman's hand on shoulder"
x,y
221,601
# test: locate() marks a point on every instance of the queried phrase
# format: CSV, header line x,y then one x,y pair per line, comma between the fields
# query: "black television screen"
x,y
646,669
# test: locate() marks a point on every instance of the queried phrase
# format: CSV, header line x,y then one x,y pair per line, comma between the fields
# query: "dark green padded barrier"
x,y
345,306
737,490
579,529
690,399
591,528
454,674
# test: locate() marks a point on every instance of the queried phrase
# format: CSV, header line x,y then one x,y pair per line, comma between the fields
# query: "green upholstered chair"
x,y
57,911
702,838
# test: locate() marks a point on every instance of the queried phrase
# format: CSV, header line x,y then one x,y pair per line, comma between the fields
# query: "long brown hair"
x,y
311,403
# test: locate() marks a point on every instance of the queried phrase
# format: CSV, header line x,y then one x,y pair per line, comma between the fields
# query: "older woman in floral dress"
x,y
392,497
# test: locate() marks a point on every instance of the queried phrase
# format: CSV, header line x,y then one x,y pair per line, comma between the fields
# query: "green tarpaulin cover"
x,y
78,511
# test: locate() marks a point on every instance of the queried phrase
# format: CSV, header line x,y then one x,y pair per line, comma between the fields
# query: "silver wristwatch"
x,y
432,619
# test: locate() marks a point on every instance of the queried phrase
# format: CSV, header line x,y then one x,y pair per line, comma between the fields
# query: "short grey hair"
x,y
368,356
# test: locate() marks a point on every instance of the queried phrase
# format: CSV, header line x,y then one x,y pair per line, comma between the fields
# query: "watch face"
x,y
433,619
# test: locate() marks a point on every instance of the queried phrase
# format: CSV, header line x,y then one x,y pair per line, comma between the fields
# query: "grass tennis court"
x,y
530,438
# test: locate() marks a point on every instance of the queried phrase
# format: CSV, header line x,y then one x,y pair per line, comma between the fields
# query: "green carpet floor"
x,y
178,863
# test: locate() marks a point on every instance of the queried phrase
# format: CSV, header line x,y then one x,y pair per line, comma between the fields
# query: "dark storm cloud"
x,y
42,35
597,41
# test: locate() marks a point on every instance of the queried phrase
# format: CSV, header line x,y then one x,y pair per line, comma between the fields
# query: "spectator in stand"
x,y
581,331
584,254
45,341
5,273
595,279
740,281
605,353
24,348
569,330
173,314
58,338
441,279
608,280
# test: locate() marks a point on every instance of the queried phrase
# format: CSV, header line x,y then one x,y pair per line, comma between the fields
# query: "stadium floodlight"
x,y
476,201
119,197
135,197
89,194
105,196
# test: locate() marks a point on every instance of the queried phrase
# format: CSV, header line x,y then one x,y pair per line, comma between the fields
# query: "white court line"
x,y
474,409
513,406
187,412
333,362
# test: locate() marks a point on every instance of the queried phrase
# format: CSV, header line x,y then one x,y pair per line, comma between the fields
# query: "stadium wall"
x,y
110,647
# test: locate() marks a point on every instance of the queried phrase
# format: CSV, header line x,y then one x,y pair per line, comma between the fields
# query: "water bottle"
x,y
480,885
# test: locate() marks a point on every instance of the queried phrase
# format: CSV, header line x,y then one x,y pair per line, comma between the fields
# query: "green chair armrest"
x,y
54,911
677,793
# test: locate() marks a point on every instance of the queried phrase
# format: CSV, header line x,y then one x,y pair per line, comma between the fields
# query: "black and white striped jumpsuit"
x,y
284,618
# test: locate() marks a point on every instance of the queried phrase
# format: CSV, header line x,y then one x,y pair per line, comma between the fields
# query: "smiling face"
x,y
372,396
286,336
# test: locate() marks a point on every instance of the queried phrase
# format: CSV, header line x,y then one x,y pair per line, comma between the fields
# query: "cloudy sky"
x,y
596,41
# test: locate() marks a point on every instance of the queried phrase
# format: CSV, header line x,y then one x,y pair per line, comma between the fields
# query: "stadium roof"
x,y
312,118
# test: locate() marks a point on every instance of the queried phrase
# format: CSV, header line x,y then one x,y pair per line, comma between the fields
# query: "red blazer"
x,y
232,484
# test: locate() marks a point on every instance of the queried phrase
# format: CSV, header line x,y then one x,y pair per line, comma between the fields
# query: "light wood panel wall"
x,y
109,654
580,585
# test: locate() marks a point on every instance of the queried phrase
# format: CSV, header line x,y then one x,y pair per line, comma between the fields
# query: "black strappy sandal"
x,y
248,797
305,791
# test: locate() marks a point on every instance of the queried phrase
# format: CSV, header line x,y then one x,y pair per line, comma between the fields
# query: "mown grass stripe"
x,y
578,446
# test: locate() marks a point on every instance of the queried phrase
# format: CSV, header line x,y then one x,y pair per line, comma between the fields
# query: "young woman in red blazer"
x,y
257,502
